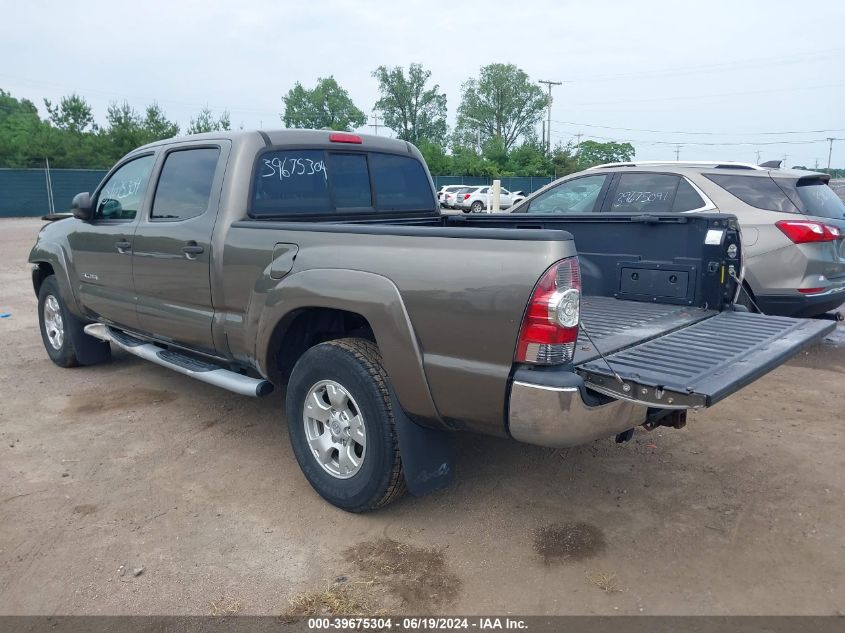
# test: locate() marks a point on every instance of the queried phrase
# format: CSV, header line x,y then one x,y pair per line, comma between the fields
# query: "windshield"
x,y
820,200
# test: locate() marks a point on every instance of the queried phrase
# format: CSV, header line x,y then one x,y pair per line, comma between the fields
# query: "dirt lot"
x,y
108,469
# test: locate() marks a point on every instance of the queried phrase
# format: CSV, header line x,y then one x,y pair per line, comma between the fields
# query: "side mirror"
x,y
81,207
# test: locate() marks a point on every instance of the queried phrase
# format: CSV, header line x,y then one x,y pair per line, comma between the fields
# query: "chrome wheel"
x,y
334,428
53,324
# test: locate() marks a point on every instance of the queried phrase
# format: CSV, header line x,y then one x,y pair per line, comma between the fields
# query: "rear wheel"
x,y
341,425
477,207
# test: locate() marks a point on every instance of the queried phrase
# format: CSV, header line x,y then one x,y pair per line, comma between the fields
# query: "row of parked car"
x,y
792,222
476,199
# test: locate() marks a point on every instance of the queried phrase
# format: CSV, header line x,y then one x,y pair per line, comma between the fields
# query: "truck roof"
x,y
315,138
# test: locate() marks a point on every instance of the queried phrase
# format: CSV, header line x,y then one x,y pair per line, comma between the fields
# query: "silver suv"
x,y
792,222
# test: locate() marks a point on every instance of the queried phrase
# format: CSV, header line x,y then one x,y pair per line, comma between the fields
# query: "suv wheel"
x,y
477,207
341,425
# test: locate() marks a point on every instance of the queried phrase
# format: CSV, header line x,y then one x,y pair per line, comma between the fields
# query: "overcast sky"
x,y
736,69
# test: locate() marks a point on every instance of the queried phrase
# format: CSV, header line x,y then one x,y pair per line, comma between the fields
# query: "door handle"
x,y
122,246
191,249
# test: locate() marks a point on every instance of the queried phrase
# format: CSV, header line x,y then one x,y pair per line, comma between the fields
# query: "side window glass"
x,y
574,196
350,180
123,194
758,191
644,193
184,187
686,198
291,182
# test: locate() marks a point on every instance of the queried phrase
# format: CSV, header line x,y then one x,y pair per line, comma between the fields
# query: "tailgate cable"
x,y
603,357
742,288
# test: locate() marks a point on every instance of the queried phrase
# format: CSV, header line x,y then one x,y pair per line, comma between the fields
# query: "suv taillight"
x,y
804,231
466,196
550,326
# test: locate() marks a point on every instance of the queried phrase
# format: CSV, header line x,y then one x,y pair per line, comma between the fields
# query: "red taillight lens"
x,y
809,291
550,326
466,196
804,231
343,137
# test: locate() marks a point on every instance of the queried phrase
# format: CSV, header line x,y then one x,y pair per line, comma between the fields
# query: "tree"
x,y
327,105
502,102
439,163
21,132
205,122
415,113
73,114
156,126
124,131
593,153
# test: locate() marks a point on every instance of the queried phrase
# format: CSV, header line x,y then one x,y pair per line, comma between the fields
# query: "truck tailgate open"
x,y
699,364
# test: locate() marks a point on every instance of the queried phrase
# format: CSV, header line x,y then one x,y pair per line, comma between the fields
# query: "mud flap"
x,y
89,350
427,454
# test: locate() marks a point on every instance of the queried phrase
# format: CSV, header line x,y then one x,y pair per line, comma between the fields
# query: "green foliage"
x,y
593,153
439,163
70,138
205,122
502,103
73,114
327,105
415,113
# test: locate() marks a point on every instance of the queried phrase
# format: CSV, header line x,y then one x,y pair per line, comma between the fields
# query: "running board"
x,y
182,363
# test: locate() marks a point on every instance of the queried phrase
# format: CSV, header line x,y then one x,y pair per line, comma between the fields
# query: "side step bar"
x,y
182,363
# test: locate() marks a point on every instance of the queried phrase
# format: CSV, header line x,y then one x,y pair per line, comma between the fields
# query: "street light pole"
x,y
549,116
830,140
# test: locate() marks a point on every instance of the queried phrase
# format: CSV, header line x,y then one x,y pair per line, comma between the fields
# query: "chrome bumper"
x,y
558,417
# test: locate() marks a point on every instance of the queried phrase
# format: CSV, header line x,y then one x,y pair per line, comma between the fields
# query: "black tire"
x,y
65,354
76,348
356,365
476,207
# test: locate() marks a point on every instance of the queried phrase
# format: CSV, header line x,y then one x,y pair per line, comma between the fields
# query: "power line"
x,y
700,143
634,129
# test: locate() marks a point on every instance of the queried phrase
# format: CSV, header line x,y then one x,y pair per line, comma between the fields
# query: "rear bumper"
x,y
801,305
555,413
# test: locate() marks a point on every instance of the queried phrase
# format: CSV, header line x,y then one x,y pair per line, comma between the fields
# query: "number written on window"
x,y
292,166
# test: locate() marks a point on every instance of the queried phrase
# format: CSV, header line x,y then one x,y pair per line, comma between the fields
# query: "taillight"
x,y
804,231
466,196
550,326
343,137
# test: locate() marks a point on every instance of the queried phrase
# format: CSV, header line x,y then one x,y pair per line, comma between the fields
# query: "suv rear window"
x,y
758,191
820,200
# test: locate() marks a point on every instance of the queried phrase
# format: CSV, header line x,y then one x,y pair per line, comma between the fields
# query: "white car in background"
x,y
475,199
446,195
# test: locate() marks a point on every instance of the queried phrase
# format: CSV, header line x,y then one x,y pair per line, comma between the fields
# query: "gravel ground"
x,y
127,468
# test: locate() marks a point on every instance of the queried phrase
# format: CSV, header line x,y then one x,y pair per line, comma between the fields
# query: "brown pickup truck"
x,y
319,262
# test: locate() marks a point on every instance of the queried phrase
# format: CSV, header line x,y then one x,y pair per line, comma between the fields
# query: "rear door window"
x,y
644,193
184,186
578,195
291,182
820,200
686,198
758,191
400,183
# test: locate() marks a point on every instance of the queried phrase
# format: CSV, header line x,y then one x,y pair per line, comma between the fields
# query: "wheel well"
x,y
39,274
305,328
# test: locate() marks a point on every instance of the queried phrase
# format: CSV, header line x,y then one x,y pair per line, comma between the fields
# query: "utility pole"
x,y
758,156
785,156
578,142
549,117
678,152
375,125
830,140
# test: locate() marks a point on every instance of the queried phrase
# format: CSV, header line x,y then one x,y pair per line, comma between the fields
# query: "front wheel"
x,y
341,425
